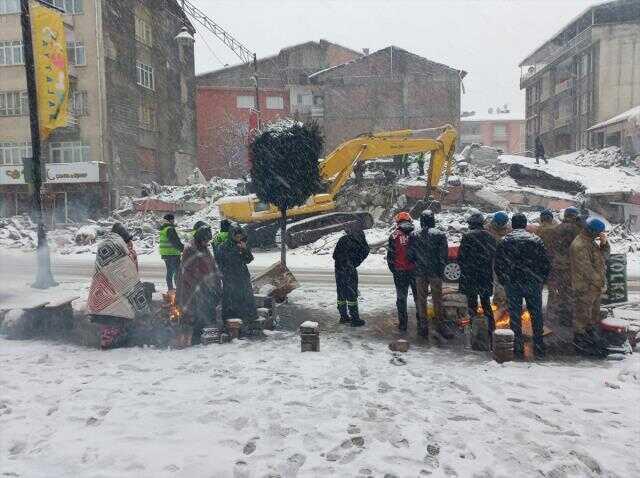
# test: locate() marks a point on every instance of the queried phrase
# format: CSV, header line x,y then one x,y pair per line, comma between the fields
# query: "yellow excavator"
x,y
315,218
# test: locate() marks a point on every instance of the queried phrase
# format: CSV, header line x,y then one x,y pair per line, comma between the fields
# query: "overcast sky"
x,y
487,38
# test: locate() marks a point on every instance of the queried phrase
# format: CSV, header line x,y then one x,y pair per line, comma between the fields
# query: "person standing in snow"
x,y
401,267
561,300
589,253
477,254
116,296
171,248
539,151
522,265
223,234
197,226
238,301
199,288
499,227
405,165
420,161
351,250
430,252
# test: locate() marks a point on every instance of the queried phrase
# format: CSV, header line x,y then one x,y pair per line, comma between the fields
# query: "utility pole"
x,y
255,78
44,278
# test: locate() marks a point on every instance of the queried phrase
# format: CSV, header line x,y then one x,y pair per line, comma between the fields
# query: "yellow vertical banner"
x,y
52,68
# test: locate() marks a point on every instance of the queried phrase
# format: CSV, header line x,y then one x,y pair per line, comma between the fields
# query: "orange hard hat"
x,y
403,216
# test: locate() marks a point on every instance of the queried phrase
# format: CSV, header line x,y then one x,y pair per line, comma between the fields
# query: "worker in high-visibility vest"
x,y
170,247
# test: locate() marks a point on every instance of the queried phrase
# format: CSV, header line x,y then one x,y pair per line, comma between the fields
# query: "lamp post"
x,y
44,277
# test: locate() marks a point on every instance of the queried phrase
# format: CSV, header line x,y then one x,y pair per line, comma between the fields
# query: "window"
x,y
245,102
73,7
68,152
275,103
11,53
147,118
145,75
9,6
79,103
13,153
143,32
14,103
76,53
500,130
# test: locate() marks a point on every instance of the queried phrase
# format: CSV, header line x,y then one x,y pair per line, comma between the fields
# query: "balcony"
x,y
317,112
578,42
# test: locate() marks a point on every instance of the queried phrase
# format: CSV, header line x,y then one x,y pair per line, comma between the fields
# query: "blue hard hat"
x,y
571,212
500,218
595,225
546,214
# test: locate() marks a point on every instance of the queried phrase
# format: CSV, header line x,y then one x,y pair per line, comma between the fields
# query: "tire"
x,y
452,272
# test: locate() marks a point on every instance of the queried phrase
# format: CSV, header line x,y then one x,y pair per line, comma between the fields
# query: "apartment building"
x,y
585,74
498,129
132,106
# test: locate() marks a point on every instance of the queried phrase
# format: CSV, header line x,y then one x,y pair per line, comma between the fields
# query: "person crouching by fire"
x,y
199,289
116,296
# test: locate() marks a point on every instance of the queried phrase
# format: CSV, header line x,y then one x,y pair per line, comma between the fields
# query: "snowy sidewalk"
x,y
265,409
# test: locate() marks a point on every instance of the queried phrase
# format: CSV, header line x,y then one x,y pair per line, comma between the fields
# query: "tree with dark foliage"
x,y
284,167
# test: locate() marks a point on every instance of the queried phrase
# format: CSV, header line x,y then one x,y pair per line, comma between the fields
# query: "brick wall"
x,y
223,127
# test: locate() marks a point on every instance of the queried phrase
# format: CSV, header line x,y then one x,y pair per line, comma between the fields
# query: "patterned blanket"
x,y
116,290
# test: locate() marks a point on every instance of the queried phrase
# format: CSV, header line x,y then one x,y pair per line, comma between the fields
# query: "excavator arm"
x,y
337,167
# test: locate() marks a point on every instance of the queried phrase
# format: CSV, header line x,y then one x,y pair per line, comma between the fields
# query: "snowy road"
x,y
263,409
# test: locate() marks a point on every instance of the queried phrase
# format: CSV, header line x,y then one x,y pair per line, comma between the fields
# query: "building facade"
x,y
502,131
585,74
226,98
132,102
348,93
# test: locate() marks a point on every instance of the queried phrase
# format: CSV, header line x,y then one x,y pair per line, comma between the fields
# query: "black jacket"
x,y
237,293
522,260
429,251
477,253
539,148
350,251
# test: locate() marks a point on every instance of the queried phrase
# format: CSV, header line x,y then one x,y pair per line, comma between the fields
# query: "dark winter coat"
x,y
539,148
477,253
350,251
522,261
430,252
199,288
237,294
398,249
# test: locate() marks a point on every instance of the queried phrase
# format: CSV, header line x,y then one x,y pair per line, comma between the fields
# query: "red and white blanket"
x,y
116,290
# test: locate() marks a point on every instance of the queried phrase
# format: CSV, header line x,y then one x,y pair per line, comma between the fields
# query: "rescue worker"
x,y
171,248
430,252
545,228
401,267
499,227
223,234
589,254
539,151
405,165
199,288
476,257
522,265
238,301
560,303
350,251
420,161
196,226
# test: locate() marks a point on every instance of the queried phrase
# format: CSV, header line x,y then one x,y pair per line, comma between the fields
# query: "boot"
x,y
344,314
356,321
423,328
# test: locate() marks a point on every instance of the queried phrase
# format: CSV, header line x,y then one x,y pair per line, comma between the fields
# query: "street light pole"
x,y
44,278
255,78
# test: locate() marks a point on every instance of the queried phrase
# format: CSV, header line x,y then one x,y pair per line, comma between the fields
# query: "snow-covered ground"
x,y
595,179
265,409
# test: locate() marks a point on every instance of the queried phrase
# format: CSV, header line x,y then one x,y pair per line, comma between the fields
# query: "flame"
x,y
503,321
172,306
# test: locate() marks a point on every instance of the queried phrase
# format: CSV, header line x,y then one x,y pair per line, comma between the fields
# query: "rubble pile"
x,y
602,158
376,194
